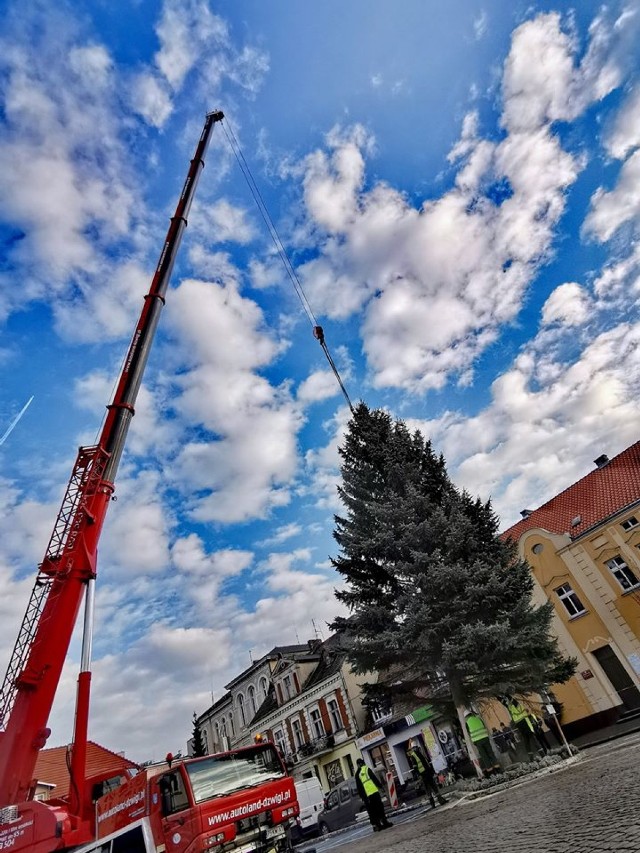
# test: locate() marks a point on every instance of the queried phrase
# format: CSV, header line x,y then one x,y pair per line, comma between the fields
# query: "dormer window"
x,y
287,686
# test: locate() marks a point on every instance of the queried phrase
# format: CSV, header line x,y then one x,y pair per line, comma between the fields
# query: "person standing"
x,y
539,733
480,739
369,788
523,724
422,766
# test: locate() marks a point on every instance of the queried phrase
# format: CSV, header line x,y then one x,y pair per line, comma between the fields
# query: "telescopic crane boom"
x,y
69,565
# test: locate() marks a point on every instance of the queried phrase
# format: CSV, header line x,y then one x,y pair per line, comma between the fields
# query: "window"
x,y
252,700
332,800
622,573
569,598
264,688
629,523
218,742
222,774
288,687
336,716
278,736
243,719
345,794
232,727
317,726
296,728
174,795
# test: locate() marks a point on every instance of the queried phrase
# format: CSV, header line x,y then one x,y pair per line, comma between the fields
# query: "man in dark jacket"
x,y
369,788
422,766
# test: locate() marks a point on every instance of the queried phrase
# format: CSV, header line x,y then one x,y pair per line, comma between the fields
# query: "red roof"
x,y
51,766
602,493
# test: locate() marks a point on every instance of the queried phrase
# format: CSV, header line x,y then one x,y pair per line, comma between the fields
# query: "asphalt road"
x,y
590,807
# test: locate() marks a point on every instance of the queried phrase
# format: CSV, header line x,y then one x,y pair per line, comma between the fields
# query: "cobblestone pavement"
x,y
592,807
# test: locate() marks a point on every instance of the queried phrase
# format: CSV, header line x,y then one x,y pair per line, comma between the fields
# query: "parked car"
x,y
311,801
341,806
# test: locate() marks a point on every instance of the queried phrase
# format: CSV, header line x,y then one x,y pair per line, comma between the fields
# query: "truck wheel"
x,y
324,829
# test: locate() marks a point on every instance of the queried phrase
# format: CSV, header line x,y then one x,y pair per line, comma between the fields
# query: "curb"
x,y
471,796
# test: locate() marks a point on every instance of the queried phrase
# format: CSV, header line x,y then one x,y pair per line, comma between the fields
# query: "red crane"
x,y
68,569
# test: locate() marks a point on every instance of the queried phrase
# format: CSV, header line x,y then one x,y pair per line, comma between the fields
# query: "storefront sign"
x,y
370,738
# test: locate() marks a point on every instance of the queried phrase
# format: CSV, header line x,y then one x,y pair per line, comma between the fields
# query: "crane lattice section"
x,y
85,477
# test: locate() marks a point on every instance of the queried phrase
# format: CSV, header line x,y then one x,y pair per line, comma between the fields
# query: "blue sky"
x,y
458,188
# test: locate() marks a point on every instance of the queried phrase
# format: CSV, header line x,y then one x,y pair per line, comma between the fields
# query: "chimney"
x,y
601,461
525,513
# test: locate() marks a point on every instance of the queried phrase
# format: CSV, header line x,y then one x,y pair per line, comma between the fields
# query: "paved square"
x,y
592,807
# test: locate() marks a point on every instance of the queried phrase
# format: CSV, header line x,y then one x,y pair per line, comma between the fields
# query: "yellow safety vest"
x,y
477,729
416,758
518,713
368,784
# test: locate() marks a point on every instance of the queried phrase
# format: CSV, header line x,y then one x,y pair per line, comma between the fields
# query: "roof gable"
x,y
51,766
601,494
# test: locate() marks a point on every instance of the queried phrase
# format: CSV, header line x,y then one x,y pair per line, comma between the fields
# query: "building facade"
x,y
583,547
305,699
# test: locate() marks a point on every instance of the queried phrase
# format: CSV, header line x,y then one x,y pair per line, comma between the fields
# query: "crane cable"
x,y
318,331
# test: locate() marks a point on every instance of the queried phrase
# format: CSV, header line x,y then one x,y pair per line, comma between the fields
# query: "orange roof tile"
x,y
602,493
51,766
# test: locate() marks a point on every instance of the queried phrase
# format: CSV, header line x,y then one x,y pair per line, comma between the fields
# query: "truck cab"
x,y
241,800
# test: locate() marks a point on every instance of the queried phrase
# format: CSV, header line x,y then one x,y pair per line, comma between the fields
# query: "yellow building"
x,y
584,550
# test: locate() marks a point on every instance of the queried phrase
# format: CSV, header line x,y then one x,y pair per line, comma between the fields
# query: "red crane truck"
x,y
66,575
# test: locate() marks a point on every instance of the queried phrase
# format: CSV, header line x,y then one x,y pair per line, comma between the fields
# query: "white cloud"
x,y
624,135
610,210
480,25
319,385
546,422
246,470
221,222
186,29
282,534
435,285
568,304
150,99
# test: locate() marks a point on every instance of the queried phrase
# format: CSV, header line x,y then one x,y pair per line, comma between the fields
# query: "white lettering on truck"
x,y
248,808
120,807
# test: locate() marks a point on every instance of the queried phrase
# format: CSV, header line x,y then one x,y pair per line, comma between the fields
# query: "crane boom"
x,y
70,562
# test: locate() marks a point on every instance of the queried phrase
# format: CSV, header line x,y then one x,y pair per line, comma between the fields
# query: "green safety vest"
x,y
368,784
518,713
477,728
416,758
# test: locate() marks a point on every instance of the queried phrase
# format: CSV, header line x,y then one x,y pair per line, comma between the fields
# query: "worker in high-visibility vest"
x,y
422,766
369,788
480,738
523,724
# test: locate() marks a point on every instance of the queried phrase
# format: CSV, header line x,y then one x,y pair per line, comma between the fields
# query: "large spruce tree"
x,y
438,602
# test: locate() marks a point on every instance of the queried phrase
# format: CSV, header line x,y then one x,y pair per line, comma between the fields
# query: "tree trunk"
x,y
458,700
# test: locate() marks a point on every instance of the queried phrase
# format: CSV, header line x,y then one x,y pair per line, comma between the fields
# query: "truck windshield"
x,y
222,774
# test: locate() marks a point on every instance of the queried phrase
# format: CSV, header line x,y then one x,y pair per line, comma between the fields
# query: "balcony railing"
x,y
315,746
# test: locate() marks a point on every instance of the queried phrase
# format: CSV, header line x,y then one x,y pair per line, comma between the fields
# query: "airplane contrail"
x,y
13,423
